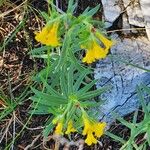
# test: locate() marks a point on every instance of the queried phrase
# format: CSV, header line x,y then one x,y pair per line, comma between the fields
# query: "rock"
x,y
134,12
108,24
111,10
145,6
125,24
122,78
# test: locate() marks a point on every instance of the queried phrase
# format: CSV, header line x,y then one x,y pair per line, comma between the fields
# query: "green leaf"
x,y
63,55
91,94
39,50
42,109
146,88
70,79
148,135
90,103
91,12
43,72
116,138
70,114
63,82
86,87
86,11
124,122
47,99
45,16
48,128
50,89
44,56
143,146
142,100
71,6
74,60
135,117
80,79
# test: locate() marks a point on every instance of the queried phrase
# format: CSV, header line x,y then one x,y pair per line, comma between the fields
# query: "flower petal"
x,y
48,35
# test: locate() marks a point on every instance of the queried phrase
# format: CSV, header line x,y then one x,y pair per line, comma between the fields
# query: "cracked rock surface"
x,y
133,12
122,78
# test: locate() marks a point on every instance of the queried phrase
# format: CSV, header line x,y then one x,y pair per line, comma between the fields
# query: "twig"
x,y
63,141
9,11
126,29
33,142
37,128
10,121
14,130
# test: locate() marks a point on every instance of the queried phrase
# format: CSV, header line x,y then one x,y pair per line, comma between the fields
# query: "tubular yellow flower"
x,y
107,43
99,129
94,52
93,130
70,128
59,128
89,58
90,139
48,35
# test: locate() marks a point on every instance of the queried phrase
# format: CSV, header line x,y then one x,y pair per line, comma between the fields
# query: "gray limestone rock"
x,y
134,12
145,6
122,78
111,10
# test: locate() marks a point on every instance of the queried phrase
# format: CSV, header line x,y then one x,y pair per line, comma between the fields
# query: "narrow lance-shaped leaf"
x,y
63,55
50,89
70,79
48,99
124,122
135,117
71,6
63,82
49,127
148,135
117,138
91,12
74,60
86,87
91,94
142,100
80,79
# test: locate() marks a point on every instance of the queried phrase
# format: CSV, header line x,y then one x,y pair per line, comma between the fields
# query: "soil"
x,y
17,68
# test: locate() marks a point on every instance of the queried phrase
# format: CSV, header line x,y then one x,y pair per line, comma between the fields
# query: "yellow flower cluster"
x,y
70,128
95,51
59,128
93,130
49,35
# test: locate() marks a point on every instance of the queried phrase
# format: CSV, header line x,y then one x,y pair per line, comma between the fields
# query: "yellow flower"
x,y
90,139
99,129
48,35
59,128
94,51
107,43
70,128
93,130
